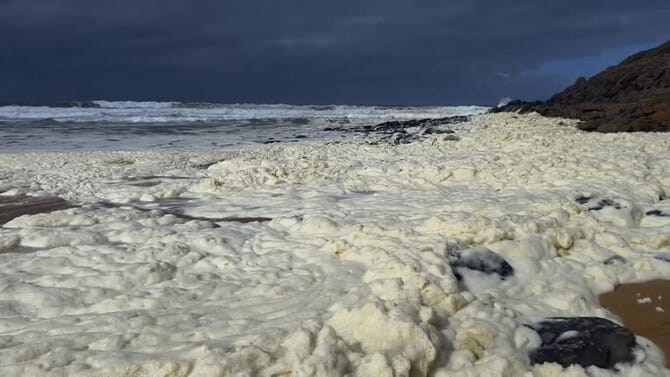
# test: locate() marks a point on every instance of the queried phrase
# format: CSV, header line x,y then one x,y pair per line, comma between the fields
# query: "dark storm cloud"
x,y
364,51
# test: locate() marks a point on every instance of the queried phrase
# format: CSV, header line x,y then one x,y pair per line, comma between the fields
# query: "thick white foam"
x,y
351,276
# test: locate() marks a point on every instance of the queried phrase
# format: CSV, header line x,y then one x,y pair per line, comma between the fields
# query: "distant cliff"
x,y
631,96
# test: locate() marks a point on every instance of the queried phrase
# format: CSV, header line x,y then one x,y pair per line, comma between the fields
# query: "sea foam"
x,y
352,275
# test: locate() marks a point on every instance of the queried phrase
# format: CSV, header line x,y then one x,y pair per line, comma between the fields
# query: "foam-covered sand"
x,y
351,275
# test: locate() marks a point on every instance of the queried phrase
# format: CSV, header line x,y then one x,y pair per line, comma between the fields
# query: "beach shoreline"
x,y
346,257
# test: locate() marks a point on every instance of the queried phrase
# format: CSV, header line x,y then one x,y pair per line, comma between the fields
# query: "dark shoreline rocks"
x,y
631,96
585,341
480,259
404,131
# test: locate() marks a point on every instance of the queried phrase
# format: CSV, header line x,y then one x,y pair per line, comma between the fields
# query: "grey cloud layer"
x,y
365,51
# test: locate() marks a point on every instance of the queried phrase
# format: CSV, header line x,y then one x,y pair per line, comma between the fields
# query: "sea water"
x,y
105,125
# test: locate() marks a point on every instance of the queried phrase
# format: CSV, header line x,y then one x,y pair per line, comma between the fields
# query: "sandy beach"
x,y
644,309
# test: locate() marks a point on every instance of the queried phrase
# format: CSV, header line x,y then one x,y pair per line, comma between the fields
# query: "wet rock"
x,y
424,123
602,203
657,212
585,341
403,131
596,204
617,259
480,259
583,199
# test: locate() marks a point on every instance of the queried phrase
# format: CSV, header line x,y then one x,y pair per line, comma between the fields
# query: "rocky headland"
x,y
631,96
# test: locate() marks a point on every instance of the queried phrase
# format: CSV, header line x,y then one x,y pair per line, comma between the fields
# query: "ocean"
x,y
127,125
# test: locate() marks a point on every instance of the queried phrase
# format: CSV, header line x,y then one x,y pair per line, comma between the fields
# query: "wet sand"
x,y
644,309
15,206
176,208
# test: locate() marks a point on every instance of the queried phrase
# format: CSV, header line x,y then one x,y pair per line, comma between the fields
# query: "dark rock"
x,y
596,204
663,257
402,124
605,203
397,131
583,199
585,341
617,259
480,259
631,96
657,212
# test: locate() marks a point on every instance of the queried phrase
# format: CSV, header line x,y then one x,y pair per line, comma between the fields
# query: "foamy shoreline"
x,y
352,275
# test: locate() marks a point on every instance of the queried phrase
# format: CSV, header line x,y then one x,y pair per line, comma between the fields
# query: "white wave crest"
x,y
161,112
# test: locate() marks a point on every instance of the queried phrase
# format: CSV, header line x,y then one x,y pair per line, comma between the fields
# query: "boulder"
x,y
480,259
585,341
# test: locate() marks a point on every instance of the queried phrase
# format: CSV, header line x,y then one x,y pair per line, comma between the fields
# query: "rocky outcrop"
x,y
631,96
403,131
585,341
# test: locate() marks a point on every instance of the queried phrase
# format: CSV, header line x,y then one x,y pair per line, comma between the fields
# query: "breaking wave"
x,y
160,112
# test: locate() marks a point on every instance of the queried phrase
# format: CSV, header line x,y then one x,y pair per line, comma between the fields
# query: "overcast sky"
x,y
313,51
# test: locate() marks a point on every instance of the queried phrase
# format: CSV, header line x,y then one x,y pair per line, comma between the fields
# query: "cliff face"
x,y
631,96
